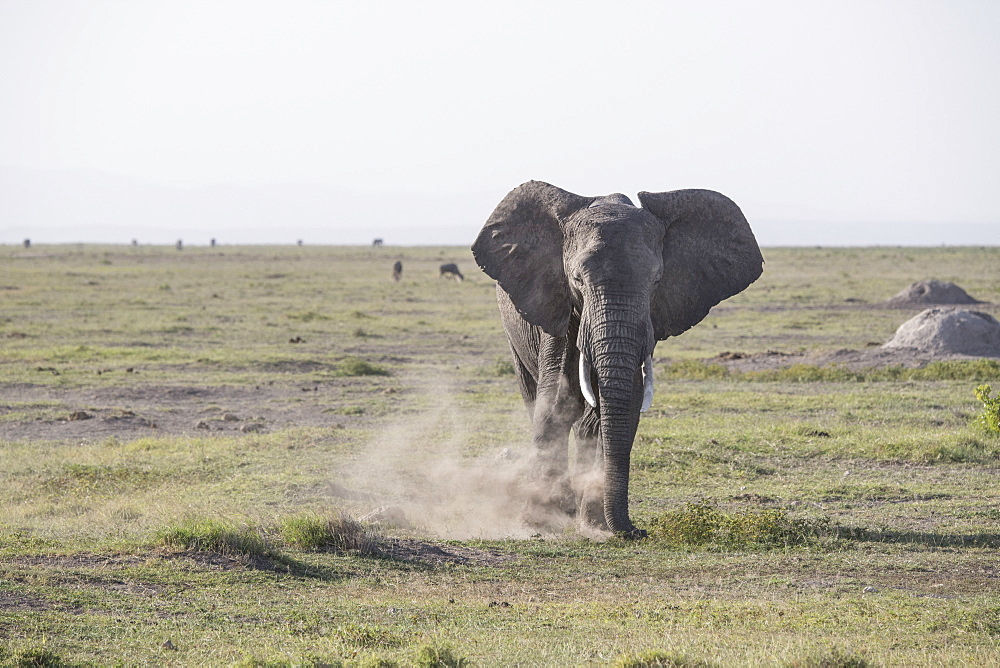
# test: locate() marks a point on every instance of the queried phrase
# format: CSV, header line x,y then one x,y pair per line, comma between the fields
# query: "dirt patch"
x,y
437,554
151,410
909,358
18,602
934,335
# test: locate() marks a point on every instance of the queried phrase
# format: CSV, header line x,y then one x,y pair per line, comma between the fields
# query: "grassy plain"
x,y
176,429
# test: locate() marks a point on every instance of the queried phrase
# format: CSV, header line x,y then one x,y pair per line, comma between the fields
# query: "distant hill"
x,y
57,206
61,206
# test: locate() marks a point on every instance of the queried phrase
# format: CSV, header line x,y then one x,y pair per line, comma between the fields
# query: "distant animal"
x,y
27,243
377,242
586,287
450,270
397,270
212,242
180,244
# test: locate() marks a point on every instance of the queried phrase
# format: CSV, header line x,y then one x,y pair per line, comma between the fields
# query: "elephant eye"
x,y
577,278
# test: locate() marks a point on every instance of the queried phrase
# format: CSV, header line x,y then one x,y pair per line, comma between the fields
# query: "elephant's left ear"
x,y
709,254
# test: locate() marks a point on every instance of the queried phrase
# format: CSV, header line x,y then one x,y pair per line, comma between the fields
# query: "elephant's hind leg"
x,y
588,474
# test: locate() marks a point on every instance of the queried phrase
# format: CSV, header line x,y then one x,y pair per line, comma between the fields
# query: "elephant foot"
x,y
550,505
590,492
632,534
591,512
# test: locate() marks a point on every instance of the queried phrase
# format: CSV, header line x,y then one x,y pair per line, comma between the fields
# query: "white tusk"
x,y
647,382
588,391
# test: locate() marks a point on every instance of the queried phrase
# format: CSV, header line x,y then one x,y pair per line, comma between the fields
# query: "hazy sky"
x,y
813,116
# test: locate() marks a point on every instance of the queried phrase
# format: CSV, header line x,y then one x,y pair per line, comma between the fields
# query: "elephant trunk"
x,y
616,341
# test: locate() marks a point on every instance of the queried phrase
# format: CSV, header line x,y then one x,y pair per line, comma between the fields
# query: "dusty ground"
x,y
138,410
873,355
851,359
150,410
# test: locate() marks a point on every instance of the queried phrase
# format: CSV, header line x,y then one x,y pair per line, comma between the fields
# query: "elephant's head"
x,y
634,275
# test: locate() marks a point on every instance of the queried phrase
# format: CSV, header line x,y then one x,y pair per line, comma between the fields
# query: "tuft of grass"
x,y
333,534
355,366
101,478
702,524
367,637
695,370
502,367
31,656
833,659
220,537
656,659
960,449
989,419
431,656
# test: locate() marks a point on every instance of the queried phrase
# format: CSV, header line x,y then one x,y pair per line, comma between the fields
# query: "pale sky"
x,y
837,123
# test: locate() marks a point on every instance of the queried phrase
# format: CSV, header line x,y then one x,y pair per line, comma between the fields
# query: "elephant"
x,y
450,270
586,286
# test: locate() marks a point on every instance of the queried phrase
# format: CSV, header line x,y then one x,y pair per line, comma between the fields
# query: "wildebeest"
x,y
397,270
450,269
376,242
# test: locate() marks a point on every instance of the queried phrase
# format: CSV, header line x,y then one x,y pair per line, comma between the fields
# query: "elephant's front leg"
x,y
588,475
558,404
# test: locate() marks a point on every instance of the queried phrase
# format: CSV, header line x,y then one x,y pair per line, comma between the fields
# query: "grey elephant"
x,y
586,287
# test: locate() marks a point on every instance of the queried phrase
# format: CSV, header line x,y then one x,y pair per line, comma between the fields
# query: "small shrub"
x,y
989,419
334,534
695,524
700,524
430,656
655,659
355,366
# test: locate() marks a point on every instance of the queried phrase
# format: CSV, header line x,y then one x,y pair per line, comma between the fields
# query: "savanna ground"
x,y
186,438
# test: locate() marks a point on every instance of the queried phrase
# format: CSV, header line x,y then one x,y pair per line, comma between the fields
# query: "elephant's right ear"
x,y
520,246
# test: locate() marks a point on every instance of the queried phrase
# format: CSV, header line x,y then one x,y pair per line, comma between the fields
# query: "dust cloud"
x,y
423,472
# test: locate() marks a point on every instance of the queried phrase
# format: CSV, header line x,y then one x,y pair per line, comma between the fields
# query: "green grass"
x,y
217,536
335,533
701,524
807,516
